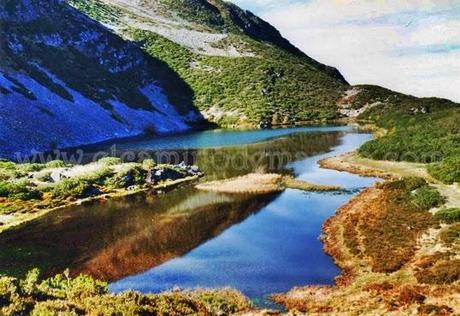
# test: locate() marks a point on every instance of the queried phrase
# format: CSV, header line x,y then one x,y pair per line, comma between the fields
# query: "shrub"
x,y
131,174
448,215
18,190
447,171
427,197
74,188
57,164
109,161
82,295
148,164
406,184
62,286
450,234
443,272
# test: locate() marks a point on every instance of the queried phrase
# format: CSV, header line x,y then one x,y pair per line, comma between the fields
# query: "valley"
x,y
221,170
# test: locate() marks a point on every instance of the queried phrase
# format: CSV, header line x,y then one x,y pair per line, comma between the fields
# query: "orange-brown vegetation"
x,y
380,241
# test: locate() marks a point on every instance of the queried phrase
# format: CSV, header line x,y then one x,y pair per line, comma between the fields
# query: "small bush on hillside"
x,y
18,190
448,215
448,171
148,164
407,184
73,188
57,164
109,161
132,174
427,197
443,272
451,234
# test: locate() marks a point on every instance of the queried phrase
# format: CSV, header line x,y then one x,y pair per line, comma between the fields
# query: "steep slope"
x,y
242,71
67,80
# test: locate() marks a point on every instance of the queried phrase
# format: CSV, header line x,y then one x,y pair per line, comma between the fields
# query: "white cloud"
x,y
412,46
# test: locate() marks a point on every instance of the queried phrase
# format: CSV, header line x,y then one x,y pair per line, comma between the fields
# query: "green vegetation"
x,y
98,10
271,88
427,197
270,84
420,130
448,215
26,187
448,170
82,295
451,234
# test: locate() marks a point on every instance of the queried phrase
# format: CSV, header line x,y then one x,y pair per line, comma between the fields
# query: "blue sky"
x,y
412,46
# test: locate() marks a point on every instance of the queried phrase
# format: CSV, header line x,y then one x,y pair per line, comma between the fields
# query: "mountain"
x,y
67,80
77,72
240,68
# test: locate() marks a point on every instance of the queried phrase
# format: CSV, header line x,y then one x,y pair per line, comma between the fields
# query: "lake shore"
x,y
42,189
417,274
12,221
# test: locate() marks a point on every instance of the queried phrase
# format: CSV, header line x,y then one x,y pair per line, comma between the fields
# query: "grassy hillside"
x,y
420,130
267,82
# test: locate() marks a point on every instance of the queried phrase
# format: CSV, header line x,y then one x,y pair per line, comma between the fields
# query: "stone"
x,y
58,175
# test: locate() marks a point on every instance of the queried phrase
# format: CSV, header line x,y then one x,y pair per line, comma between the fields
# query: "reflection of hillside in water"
x,y
128,236
270,156
117,238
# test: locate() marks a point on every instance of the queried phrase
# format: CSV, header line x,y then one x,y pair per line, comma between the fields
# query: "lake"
x,y
188,238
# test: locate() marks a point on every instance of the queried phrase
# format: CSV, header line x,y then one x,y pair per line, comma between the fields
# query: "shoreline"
x,y
359,289
14,221
24,218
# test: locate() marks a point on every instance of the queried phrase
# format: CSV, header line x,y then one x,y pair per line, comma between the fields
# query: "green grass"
x,y
448,170
451,234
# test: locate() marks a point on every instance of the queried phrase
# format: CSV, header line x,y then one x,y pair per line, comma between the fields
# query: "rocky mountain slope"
x,y
240,68
67,80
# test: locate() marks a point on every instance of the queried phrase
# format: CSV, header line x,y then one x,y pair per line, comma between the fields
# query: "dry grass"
x,y
292,183
354,163
253,183
260,183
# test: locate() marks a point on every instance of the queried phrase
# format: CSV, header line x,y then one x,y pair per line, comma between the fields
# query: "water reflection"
x,y
124,237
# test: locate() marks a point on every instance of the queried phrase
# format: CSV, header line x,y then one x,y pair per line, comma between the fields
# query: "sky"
x,y
411,46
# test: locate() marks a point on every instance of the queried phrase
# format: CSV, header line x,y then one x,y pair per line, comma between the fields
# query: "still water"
x,y
187,238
